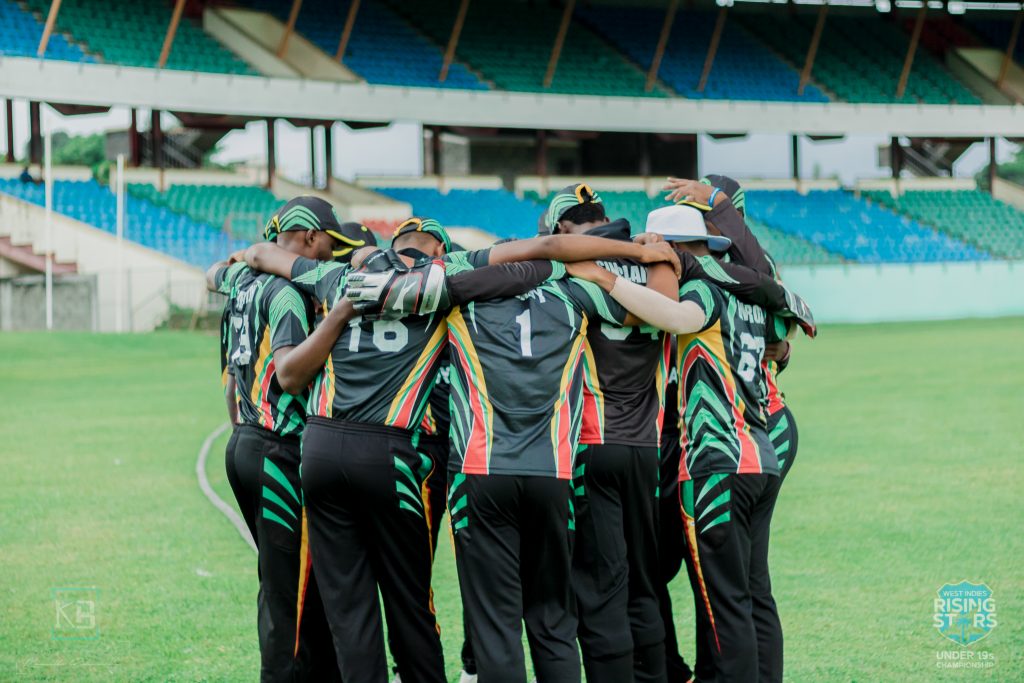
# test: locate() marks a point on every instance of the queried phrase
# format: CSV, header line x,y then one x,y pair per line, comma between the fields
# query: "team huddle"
x,y
592,409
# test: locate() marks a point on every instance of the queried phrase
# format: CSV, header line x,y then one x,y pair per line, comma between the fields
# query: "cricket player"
x,y
362,477
266,319
615,557
728,472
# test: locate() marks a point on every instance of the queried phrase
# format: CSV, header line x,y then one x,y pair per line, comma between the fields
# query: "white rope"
x,y
204,484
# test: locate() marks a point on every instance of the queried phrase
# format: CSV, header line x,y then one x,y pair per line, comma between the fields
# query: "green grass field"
x,y
909,477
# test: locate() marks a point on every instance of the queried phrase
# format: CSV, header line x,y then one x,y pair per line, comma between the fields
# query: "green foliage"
x,y
908,477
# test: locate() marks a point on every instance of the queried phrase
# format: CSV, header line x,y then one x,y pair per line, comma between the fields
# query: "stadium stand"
x,y
510,44
859,60
21,33
214,204
855,229
744,68
131,32
970,215
498,212
153,226
383,48
997,33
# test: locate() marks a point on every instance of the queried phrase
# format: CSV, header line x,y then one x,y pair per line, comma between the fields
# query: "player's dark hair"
x,y
588,212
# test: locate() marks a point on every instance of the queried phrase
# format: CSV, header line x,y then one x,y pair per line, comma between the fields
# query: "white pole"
x,y
48,180
119,298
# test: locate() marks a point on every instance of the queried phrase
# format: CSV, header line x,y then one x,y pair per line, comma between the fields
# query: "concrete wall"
x,y
152,280
854,293
23,303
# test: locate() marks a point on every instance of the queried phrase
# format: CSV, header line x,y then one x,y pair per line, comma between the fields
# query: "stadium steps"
x,y
25,256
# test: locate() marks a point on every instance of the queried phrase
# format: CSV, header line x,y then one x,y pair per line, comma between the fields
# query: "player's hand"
x,y
659,252
646,238
387,288
777,351
236,256
590,271
681,188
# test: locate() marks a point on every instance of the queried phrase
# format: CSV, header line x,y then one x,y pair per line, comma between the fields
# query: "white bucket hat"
x,y
682,223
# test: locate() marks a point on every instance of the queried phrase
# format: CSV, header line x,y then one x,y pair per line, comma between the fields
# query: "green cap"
x,y
427,225
567,198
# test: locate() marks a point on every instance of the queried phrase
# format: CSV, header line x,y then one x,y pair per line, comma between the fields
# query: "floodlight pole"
x,y
10,131
1008,55
812,49
556,50
119,285
48,224
453,40
51,20
346,33
271,153
992,166
659,51
716,37
289,28
172,30
915,38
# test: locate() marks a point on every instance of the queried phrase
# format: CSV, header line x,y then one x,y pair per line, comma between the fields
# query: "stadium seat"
x,y
510,44
383,47
149,224
855,229
239,209
744,68
860,59
498,212
970,215
131,32
21,32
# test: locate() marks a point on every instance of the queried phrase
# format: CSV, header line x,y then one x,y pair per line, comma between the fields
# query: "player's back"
x,y
722,390
517,379
626,404
265,313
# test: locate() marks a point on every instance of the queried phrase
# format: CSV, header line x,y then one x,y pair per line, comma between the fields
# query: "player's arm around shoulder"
x,y
646,304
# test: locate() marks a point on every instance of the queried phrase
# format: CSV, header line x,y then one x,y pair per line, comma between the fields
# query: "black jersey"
x,y
266,313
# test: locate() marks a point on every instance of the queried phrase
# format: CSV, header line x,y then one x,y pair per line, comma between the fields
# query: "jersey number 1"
x,y
525,329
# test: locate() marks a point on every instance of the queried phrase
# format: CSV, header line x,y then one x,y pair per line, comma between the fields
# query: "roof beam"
x,y
812,49
716,37
346,32
289,28
556,50
1010,47
453,40
915,38
51,19
659,51
172,30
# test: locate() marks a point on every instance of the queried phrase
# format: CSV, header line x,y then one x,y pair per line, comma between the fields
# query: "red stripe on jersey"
x,y
591,432
775,403
266,415
750,460
475,458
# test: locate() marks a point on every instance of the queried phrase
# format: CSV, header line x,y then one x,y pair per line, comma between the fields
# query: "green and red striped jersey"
x,y
722,392
379,372
265,313
517,377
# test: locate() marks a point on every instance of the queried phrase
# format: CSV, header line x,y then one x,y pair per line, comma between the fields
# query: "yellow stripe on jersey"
x,y
427,356
590,377
563,392
711,339
255,392
479,401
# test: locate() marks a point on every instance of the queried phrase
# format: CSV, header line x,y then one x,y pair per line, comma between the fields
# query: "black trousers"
x,y
437,448
727,518
368,531
295,643
615,563
671,548
512,550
